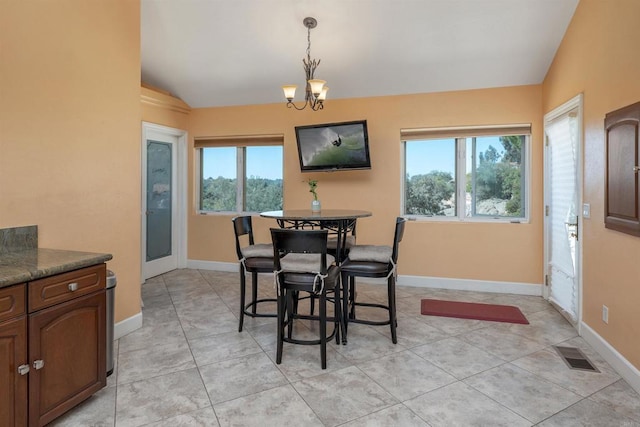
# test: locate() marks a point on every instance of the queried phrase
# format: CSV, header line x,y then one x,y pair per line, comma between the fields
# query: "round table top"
x,y
309,215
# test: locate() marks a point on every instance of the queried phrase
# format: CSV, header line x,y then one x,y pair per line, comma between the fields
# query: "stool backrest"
x,y
242,227
299,241
399,233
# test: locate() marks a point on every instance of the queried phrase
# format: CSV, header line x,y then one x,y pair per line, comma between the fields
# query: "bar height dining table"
x,y
339,221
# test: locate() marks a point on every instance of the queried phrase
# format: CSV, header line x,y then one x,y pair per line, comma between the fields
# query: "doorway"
x,y
563,222
163,200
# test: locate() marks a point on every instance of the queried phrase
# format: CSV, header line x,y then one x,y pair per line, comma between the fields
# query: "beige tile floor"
x,y
189,366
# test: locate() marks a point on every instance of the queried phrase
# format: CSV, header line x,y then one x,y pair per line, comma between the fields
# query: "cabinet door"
x,y
13,353
622,201
68,356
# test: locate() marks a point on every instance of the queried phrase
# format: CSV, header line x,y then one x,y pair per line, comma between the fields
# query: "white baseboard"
x,y
127,326
471,285
617,361
417,281
231,267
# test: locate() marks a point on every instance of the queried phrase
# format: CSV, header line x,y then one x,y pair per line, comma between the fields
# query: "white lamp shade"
x,y
316,86
289,91
323,94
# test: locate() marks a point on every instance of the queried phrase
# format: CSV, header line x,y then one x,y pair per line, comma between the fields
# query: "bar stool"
x,y
254,258
302,265
374,261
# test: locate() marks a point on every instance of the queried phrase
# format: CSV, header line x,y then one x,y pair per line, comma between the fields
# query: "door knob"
x,y
38,364
23,369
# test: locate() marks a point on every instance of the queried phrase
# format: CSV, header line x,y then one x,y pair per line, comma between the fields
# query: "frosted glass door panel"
x,y
159,199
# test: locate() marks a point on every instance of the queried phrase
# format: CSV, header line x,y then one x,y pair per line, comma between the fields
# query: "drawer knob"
x,y
73,286
23,369
38,364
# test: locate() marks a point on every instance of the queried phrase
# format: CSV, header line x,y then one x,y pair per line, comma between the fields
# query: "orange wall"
x,y
70,129
494,252
599,57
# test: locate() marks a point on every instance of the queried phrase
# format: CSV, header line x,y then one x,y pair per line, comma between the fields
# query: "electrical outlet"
x,y
605,314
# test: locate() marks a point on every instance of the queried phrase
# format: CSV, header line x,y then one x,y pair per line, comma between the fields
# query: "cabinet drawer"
x,y
12,302
67,286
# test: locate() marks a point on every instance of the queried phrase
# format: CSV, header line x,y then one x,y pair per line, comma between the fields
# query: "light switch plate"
x,y
586,210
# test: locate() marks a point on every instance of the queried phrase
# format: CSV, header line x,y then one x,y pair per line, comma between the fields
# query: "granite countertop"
x,y
20,266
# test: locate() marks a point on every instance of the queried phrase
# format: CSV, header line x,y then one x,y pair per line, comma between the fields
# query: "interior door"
x,y
562,225
160,207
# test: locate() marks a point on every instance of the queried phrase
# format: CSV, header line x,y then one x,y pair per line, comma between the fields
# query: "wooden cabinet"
x,y
13,356
64,334
622,200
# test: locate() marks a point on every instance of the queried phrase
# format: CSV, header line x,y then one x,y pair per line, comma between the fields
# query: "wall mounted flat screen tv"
x,y
333,146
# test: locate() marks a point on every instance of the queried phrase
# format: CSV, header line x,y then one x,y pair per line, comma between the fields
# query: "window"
x,y
240,175
466,174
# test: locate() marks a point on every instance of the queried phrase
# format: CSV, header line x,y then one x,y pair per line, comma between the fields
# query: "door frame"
x,y
574,103
180,193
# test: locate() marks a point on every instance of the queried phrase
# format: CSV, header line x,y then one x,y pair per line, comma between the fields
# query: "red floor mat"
x,y
470,310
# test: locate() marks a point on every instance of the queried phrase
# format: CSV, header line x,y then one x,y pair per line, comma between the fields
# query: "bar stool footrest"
x,y
248,306
296,316
365,321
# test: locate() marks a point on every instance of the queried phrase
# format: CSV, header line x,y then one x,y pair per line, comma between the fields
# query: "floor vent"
x,y
575,359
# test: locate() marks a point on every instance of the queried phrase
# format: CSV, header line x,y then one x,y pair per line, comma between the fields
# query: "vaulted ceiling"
x,y
239,52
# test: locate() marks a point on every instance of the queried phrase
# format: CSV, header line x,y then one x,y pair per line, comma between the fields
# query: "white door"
x,y
161,213
562,208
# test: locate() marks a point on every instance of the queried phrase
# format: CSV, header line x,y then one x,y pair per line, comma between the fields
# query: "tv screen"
x,y
333,146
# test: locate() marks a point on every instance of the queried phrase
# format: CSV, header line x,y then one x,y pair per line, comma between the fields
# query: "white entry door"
x,y
161,213
563,223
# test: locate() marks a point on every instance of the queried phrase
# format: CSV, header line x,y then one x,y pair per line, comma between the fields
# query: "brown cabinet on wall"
x,y
62,329
622,199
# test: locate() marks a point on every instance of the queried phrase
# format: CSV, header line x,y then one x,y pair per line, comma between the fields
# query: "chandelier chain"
x,y
309,43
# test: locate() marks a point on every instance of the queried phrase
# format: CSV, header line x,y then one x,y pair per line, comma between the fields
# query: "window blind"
x,y
464,131
562,139
238,141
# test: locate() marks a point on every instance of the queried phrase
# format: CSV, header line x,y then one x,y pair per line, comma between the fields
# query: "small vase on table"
x,y
315,203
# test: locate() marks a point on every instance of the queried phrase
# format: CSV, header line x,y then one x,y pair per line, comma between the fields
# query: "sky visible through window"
x,y
440,154
263,162
434,155
266,162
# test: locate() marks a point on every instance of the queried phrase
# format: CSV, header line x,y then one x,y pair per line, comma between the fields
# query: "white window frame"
x,y
240,143
460,134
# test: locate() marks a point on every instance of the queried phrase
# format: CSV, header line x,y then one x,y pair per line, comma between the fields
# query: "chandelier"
x,y
316,91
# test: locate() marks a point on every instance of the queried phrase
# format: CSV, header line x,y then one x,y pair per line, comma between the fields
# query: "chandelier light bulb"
x,y
316,86
289,91
323,94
